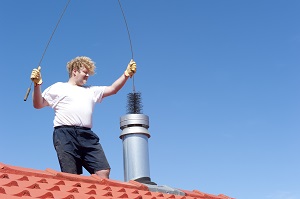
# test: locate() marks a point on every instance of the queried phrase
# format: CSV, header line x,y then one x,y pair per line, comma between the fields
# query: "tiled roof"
x,y
22,183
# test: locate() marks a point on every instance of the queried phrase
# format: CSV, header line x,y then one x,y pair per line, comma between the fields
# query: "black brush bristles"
x,y
134,105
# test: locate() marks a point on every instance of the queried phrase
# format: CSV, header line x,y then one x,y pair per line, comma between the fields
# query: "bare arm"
x,y
116,86
38,101
120,82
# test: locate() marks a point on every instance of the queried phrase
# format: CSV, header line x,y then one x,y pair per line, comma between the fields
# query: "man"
x,y
76,144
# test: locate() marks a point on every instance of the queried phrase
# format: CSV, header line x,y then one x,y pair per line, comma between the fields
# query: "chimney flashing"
x,y
164,189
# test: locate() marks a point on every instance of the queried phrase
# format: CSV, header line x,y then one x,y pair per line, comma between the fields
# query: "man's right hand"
x,y
36,76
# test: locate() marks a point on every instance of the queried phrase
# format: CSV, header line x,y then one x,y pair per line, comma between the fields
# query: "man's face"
x,y
81,76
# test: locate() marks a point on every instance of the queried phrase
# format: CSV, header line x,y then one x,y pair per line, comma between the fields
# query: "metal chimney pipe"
x,y
135,136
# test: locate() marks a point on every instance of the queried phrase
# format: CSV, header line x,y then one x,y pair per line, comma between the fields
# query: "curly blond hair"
x,y
80,62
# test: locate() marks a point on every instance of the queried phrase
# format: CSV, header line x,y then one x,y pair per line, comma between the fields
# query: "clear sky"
x,y
219,81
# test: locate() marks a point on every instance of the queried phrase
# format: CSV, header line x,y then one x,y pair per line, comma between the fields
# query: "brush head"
x,y
134,105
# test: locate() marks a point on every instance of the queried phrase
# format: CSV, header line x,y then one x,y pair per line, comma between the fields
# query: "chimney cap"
x,y
134,120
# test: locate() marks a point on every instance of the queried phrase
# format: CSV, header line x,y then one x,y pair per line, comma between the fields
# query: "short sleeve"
x,y
98,93
51,94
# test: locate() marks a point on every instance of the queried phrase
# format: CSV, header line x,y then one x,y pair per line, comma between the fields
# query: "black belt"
x,y
74,127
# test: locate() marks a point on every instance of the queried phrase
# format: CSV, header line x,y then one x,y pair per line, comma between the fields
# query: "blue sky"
x,y
219,80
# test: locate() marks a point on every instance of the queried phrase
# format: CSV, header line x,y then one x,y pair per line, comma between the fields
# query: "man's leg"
x,y
63,143
94,159
103,173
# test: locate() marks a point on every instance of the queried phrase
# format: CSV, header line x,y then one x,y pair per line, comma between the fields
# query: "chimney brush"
x,y
134,105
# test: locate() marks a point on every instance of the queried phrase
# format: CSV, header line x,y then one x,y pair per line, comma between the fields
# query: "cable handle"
x,y
27,93
29,88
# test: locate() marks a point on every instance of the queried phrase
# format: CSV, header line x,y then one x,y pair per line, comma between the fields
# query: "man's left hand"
x,y
131,69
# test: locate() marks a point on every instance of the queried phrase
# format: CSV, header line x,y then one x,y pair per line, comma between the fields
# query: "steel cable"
x,y
61,16
131,49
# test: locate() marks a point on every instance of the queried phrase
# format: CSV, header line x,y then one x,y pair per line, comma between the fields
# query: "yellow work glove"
x,y
36,76
131,69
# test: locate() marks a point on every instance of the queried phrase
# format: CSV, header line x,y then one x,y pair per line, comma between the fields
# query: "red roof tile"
x,y
23,183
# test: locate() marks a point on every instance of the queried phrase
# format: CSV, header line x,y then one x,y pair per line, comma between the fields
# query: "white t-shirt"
x,y
73,105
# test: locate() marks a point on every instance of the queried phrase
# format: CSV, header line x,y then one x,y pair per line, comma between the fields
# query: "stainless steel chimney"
x,y
135,136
